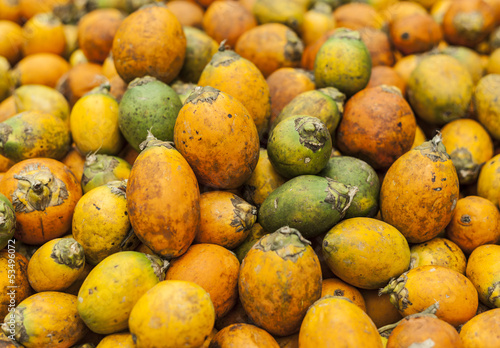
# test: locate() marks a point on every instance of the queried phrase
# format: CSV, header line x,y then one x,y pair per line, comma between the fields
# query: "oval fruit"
x,y
56,265
308,203
113,287
212,267
148,105
440,89
32,329
32,134
420,192
338,320
183,312
366,252
483,270
44,193
343,62
216,135
439,252
355,172
165,212
101,224
299,145
144,32
421,287
280,277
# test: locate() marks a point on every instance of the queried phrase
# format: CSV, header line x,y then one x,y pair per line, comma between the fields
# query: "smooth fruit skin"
x,y
270,46
41,98
163,200
94,124
420,192
212,267
23,290
421,287
199,51
148,105
335,321
483,270
469,146
264,180
225,219
379,308
280,277
337,287
174,313
482,330
343,62
47,319
56,265
113,287
327,104
121,340
366,252
475,222
488,182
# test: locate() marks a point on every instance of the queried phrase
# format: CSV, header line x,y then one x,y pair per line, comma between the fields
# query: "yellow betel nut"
x,y
182,313
56,265
101,224
113,287
94,123
46,319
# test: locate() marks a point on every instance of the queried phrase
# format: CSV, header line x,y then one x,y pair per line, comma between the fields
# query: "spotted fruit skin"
x,y
44,193
165,212
148,105
32,134
280,278
420,192
482,330
421,287
483,269
440,89
233,74
241,334
343,62
299,145
173,313
413,331
308,203
216,135
47,319
113,287
440,252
